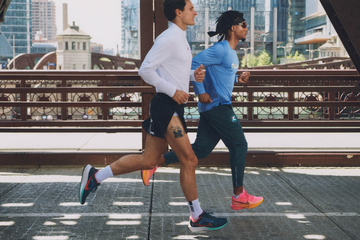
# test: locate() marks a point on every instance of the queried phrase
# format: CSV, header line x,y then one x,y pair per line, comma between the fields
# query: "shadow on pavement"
x,y
41,202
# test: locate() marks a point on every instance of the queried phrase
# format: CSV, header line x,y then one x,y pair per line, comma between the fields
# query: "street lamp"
x,y
284,51
206,26
264,38
14,51
207,4
311,51
246,51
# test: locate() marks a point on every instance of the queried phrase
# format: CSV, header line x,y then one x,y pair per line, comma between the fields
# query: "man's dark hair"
x,y
225,21
170,6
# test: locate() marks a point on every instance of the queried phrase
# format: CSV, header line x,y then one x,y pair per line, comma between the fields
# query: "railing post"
x,y
291,98
105,110
331,98
250,99
64,99
23,111
145,106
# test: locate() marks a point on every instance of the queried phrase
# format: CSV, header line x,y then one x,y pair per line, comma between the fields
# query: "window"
x,y
84,46
73,46
66,46
74,66
84,66
78,46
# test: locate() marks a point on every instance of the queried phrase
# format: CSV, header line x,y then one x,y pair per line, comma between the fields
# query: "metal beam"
x,y
146,27
344,18
254,158
161,23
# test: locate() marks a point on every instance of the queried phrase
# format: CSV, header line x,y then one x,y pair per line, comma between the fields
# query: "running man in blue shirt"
x,y
217,118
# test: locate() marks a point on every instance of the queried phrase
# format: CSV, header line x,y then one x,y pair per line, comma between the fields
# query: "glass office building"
x,y
17,25
320,37
130,35
289,25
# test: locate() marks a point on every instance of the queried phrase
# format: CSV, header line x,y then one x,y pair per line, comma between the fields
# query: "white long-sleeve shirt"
x,y
167,66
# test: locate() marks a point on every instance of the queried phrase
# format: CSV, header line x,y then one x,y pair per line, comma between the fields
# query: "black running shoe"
x,y
88,182
207,222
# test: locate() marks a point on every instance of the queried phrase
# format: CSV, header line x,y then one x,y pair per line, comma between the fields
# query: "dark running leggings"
x,y
215,124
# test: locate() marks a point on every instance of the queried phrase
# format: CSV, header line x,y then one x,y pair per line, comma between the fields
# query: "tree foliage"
x,y
265,59
297,57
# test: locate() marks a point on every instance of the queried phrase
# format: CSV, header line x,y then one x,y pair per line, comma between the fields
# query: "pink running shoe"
x,y
146,175
245,201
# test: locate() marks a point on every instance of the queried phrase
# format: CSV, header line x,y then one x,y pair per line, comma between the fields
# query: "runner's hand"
x,y
244,77
199,74
205,98
180,97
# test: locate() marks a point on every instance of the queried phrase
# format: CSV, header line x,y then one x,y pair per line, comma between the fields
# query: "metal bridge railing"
x,y
273,100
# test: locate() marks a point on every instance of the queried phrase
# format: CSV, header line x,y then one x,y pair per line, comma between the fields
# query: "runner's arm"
x,y
159,53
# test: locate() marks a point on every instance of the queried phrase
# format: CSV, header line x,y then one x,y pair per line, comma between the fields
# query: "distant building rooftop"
x,y
74,30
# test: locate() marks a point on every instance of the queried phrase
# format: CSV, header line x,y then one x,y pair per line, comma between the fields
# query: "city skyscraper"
x,y
43,19
259,13
17,26
289,23
320,37
130,29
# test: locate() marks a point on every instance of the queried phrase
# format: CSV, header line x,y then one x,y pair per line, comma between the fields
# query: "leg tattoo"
x,y
177,131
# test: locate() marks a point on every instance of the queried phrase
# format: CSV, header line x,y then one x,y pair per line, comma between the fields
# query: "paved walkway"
x,y
112,142
41,202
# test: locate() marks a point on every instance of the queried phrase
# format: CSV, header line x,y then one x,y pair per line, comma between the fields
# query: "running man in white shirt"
x,y
167,66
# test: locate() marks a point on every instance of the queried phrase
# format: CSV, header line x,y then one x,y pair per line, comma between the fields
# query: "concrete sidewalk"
x,y
41,202
118,142
98,148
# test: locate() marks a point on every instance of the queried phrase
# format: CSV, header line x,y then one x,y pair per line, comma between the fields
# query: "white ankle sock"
x,y
237,196
195,209
103,174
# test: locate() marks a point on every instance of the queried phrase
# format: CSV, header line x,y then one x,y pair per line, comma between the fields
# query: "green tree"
x,y
298,57
242,62
251,60
264,59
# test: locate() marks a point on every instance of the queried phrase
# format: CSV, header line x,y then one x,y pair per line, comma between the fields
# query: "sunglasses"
x,y
243,24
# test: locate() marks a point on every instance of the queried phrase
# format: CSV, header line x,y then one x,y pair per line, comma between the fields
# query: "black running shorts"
x,y
162,108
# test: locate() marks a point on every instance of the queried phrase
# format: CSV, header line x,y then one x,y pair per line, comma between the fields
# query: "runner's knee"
x,y
149,162
190,162
201,151
149,166
241,146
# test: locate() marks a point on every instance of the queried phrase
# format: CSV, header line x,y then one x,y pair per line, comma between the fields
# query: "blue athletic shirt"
x,y
221,64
